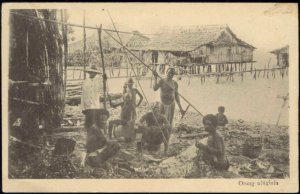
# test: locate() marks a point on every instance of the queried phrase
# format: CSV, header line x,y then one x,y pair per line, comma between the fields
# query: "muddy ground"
x,y
272,162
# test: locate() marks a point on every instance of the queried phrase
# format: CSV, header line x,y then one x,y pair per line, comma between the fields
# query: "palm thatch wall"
x,y
36,68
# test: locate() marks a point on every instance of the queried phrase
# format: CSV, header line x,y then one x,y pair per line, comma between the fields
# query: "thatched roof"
x,y
107,41
281,50
182,39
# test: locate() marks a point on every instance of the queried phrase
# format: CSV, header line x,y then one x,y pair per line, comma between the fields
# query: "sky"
x,y
266,26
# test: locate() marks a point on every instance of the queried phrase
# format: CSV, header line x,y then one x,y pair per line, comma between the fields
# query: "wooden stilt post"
x,y
268,69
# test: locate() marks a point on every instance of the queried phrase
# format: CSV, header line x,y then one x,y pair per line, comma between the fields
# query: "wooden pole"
x,y
103,66
84,46
285,98
27,50
65,39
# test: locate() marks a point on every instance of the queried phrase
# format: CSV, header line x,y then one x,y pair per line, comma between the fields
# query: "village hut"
x,y
201,45
113,51
36,71
282,56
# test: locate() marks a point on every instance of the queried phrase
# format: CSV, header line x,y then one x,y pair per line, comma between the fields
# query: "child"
x,y
134,92
222,119
214,151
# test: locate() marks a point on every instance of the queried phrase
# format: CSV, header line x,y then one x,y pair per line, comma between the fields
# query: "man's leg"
x,y
101,120
172,113
100,156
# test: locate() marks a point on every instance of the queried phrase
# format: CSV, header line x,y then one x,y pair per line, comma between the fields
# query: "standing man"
x,y
92,107
168,94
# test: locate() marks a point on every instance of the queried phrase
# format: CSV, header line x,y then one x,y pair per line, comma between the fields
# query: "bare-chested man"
x,y
168,94
155,129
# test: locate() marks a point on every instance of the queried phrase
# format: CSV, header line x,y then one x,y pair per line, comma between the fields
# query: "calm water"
x,y
250,100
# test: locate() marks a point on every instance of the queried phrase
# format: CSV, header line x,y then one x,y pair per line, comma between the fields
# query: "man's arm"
x,y
116,104
141,97
143,119
219,149
156,85
225,120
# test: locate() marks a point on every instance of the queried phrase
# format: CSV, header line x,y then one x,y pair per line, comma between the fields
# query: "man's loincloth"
x,y
168,111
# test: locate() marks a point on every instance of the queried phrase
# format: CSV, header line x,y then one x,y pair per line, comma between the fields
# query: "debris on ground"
x,y
254,150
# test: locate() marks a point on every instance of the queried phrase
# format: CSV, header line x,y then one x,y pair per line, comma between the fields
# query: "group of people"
x,y
155,126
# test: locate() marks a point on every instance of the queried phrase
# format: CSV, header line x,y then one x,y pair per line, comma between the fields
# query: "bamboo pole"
x,y
27,50
84,46
103,66
69,24
65,40
285,98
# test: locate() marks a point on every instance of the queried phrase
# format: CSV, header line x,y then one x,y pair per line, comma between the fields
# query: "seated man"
x,y
99,150
126,121
156,129
214,151
221,117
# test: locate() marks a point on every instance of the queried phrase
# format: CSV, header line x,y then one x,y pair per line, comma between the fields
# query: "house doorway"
x,y
154,57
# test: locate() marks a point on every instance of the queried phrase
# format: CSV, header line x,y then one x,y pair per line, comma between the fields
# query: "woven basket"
x,y
252,147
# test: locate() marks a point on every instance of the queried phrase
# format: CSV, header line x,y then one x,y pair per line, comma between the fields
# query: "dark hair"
x,y
221,109
211,118
171,69
130,80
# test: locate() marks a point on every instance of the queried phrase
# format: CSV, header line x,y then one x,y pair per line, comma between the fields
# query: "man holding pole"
x,y
98,148
92,108
168,94
92,90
